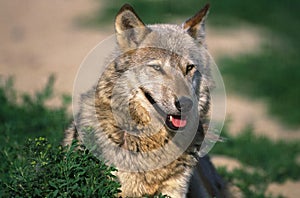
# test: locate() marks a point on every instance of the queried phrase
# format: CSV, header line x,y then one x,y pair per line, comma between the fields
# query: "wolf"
x,y
148,113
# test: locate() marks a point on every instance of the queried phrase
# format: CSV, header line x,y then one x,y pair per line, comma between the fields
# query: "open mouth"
x,y
173,122
176,122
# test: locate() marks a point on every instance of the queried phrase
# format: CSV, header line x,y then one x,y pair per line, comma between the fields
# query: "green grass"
x,y
272,75
22,115
272,162
278,160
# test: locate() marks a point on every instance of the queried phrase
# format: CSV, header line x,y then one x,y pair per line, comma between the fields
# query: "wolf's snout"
x,y
184,104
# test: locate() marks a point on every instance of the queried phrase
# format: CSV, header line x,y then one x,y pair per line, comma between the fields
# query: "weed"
x,y
44,170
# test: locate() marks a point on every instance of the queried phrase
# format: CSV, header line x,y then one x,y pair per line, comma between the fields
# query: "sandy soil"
x,y
38,38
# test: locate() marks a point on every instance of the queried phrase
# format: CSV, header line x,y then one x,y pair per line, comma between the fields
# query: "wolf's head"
x,y
164,68
151,99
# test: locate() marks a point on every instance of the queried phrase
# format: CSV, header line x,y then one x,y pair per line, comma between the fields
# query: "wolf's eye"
x,y
156,67
189,68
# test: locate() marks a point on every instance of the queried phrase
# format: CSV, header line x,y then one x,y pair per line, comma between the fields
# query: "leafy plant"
x,y
44,170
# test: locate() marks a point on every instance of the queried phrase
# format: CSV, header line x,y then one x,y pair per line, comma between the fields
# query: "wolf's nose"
x,y
184,104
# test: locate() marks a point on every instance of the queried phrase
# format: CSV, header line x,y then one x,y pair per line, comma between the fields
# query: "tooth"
x,y
171,118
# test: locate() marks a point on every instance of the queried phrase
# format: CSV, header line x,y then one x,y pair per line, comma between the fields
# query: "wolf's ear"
x,y
195,26
130,28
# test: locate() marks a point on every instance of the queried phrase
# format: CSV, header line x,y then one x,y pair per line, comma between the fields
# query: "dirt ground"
x,y
39,38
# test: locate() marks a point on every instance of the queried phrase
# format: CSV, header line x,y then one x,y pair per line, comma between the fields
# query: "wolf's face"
x,y
161,82
162,65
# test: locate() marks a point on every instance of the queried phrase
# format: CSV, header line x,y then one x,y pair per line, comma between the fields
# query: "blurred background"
x,y
254,43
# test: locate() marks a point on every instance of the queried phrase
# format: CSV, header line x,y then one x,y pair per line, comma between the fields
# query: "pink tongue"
x,y
178,122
